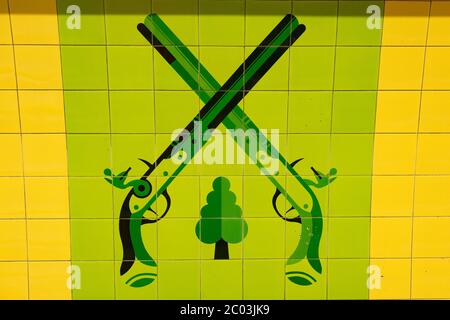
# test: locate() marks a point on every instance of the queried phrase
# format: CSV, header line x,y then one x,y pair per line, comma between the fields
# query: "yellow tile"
x,y
434,112
13,281
13,240
45,155
34,22
433,154
48,281
11,160
49,240
7,70
430,279
431,237
397,111
392,195
5,25
405,22
38,67
41,111
401,68
47,197
390,237
437,69
9,112
439,28
394,154
431,196
395,281
12,198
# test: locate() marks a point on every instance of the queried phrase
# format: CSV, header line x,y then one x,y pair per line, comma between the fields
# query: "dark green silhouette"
x,y
221,219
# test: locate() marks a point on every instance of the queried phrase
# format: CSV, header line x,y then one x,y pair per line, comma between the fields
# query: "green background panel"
x,y
135,122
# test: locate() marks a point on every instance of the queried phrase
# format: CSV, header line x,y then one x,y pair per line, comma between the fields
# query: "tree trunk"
x,y
221,250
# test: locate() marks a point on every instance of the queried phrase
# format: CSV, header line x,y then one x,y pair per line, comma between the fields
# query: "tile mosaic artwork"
x,y
232,149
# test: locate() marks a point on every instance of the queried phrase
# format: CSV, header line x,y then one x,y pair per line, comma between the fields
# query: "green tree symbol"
x,y
221,219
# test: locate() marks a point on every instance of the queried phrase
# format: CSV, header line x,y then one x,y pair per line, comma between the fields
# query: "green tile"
x,y
319,19
264,279
86,111
126,292
122,19
310,112
182,18
311,68
317,291
90,198
92,27
352,23
216,16
350,196
351,154
84,67
354,111
132,111
184,245
293,233
127,149
179,280
313,148
88,154
174,110
258,105
92,239
166,78
130,68
257,245
347,279
348,238
356,68
184,204
97,281
217,275
256,206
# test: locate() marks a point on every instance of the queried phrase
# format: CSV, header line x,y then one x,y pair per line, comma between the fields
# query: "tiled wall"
x,y
75,103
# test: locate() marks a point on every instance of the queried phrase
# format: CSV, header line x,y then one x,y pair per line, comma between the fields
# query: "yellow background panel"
x,y
437,69
5,30
11,165
13,281
405,22
431,196
390,237
45,155
9,112
394,154
401,68
435,111
12,198
439,28
48,239
47,197
397,111
430,279
433,154
431,237
48,280
13,240
392,195
7,71
41,111
395,281
38,67
34,22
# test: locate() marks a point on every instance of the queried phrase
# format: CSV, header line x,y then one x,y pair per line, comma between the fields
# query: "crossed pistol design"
x,y
221,106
